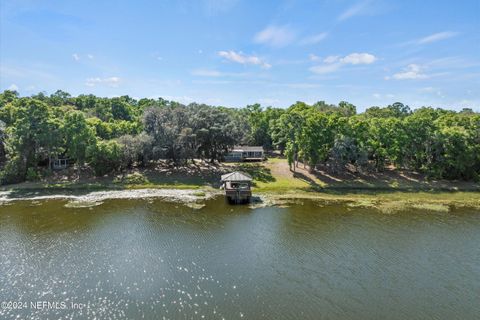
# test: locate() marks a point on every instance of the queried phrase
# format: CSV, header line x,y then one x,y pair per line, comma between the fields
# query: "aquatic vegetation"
x,y
132,178
438,207
82,204
195,205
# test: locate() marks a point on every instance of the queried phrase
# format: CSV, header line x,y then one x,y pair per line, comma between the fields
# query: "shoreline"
x,y
271,176
189,197
273,185
386,201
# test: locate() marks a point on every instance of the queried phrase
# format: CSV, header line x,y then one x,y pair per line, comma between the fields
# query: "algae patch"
x,y
438,207
82,204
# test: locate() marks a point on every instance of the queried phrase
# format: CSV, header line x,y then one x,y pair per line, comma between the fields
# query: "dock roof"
x,y
236,176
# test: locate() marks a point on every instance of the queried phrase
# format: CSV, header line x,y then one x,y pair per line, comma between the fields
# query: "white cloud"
x,y
275,36
206,73
313,57
356,9
383,96
111,81
77,57
314,39
353,58
359,58
327,68
412,71
427,89
331,59
157,56
437,37
333,63
13,87
241,58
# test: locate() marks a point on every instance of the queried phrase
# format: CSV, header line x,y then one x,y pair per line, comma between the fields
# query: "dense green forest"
x,y
113,134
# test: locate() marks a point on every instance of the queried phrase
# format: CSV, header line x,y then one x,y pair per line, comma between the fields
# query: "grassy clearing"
x,y
387,193
282,179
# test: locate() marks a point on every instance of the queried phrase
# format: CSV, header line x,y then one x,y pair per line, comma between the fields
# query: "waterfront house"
x,y
246,153
59,163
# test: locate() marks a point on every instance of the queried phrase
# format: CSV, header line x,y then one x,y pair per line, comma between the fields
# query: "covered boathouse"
x,y
237,187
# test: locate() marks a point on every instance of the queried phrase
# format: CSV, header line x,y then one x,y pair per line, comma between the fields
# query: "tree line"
x,y
112,134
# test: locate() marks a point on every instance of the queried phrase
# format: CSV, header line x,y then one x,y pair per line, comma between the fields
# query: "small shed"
x,y
237,186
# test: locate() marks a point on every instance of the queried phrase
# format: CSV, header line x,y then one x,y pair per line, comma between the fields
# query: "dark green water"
x,y
150,259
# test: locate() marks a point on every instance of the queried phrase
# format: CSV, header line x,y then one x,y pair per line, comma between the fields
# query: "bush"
x,y
32,175
105,157
132,178
135,149
12,172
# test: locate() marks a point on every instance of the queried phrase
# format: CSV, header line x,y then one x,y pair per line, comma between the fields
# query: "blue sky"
x,y
234,53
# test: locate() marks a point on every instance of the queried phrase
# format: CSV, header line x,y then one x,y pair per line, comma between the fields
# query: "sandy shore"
x,y
97,197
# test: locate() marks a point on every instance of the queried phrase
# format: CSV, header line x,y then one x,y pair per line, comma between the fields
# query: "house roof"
x,y
236,176
248,148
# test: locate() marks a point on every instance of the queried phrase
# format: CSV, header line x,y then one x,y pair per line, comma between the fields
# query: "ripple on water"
x,y
154,260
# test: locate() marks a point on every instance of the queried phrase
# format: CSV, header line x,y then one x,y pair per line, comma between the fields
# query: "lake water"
x,y
152,259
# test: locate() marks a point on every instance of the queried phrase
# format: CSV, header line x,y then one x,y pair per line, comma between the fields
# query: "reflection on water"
x,y
151,259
